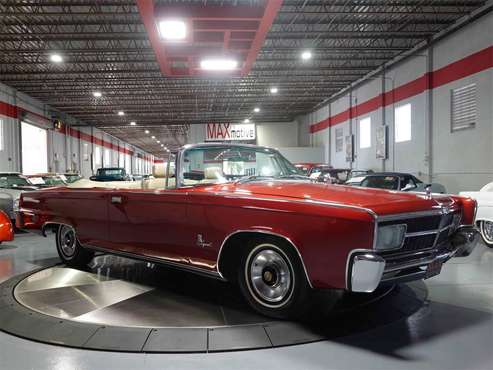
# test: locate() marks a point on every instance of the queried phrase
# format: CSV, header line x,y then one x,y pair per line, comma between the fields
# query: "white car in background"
x,y
12,184
484,217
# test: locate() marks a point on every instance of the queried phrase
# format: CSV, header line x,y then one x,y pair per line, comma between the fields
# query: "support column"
x,y
429,112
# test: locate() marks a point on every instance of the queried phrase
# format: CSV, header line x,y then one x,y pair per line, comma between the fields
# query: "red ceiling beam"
x,y
238,31
271,10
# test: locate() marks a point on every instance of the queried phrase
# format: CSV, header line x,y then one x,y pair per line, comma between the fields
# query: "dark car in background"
x,y
111,174
398,181
330,175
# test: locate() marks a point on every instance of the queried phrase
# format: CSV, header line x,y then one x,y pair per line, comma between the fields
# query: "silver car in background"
x,y
12,184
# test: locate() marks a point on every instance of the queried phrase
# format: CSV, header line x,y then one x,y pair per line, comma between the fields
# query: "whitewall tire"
x,y
69,249
486,230
272,279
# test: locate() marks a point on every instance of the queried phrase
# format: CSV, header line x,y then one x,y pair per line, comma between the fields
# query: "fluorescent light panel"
x,y
56,58
218,64
172,29
306,55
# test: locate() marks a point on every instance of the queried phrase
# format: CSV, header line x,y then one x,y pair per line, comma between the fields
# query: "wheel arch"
x,y
227,257
54,225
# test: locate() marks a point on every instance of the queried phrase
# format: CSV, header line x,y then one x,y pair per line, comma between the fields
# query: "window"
x,y
121,160
464,108
403,123
339,139
34,149
97,157
107,162
365,133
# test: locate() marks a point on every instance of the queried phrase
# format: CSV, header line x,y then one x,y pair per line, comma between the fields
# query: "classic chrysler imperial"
x,y
242,213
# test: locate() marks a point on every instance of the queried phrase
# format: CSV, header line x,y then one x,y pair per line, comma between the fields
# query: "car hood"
x,y
377,200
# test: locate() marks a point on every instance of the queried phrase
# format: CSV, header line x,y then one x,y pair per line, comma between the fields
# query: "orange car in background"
x,y
6,228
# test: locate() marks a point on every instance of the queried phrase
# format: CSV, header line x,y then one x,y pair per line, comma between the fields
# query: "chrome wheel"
x,y
67,241
269,275
486,228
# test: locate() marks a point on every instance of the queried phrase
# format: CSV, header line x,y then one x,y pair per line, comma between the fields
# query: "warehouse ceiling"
x,y
104,47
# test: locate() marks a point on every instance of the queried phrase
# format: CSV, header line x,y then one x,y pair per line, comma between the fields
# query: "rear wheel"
x,y
69,248
486,229
272,280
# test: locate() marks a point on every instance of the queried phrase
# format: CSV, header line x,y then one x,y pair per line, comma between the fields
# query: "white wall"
x,y
65,152
284,136
461,160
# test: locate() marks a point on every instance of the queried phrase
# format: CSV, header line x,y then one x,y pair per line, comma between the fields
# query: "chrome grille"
x,y
423,232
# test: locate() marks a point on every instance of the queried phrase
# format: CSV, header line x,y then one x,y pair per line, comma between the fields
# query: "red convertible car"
x,y
242,213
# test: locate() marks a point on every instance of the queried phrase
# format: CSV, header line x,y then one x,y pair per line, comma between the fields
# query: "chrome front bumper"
x,y
366,270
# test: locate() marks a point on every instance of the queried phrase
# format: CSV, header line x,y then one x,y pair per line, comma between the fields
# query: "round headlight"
x,y
390,237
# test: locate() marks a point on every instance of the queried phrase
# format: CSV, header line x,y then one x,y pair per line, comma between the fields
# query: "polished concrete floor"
x,y
453,330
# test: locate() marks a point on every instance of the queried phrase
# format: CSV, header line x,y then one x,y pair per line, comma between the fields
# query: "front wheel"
x,y
272,280
486,229
69,248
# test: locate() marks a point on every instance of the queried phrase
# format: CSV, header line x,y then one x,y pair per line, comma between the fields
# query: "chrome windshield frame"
x,y
181,157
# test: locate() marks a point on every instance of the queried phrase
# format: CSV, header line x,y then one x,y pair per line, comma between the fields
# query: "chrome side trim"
x,y
400,216
181,266
261,232
300,201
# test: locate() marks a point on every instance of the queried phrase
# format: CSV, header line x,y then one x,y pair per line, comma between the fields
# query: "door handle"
x,y
116,200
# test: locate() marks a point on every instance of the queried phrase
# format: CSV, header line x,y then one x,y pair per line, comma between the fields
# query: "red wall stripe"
x,y
11,111
465,67
8,110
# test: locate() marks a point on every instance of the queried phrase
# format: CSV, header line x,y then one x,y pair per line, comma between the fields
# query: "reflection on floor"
x,y
453,330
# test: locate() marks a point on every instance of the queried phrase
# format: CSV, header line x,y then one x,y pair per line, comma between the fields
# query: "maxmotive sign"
x,y
229,131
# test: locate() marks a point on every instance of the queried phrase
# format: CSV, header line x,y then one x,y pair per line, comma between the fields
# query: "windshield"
x,y
12,181
71,177
110,172
212,165
341,175
383,182
53,180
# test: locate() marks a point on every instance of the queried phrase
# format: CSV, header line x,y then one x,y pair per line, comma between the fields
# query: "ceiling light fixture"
x,y
121,113
56,58
153,137
306,55
158,142
274,90
173,30
246,120
146,131
97,94
218,64
256,109
133,123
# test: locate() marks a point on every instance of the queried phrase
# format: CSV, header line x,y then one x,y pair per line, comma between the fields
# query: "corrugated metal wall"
x,y
461,160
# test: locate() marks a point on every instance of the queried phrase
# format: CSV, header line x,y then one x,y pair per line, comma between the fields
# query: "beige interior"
x,y
158,182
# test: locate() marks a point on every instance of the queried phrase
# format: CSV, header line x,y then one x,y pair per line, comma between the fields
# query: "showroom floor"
x,y
453,329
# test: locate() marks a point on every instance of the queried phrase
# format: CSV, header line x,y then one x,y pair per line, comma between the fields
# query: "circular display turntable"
x,y
124,305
